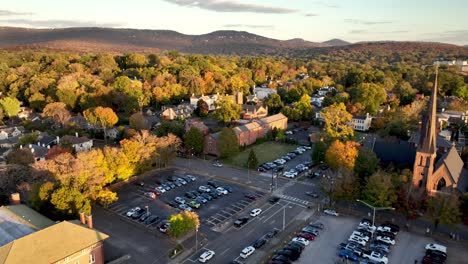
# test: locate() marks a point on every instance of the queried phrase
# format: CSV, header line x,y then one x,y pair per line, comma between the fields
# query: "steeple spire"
x,y
427,141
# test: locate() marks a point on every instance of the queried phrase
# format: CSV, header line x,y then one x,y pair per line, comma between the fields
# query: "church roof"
x,y
453,162
427,141
401,152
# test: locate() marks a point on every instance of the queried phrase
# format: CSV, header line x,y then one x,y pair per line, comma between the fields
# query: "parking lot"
x,y
289,165
408,246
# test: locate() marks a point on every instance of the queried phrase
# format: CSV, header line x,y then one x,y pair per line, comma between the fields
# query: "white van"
x,y
207,255
437,247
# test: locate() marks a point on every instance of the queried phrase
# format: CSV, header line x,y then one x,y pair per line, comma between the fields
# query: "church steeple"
x,y
426,152
427,141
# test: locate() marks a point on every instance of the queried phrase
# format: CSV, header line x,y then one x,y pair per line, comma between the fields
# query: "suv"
x,y
241,221
207,255
259,243
273,199
213,184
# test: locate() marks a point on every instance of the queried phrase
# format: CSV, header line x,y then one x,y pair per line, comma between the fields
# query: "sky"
x,y
350,20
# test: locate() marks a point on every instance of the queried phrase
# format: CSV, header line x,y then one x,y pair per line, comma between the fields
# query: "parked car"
x,y
184,182
241,221
375,256
180,200
290,175
160,189
207,196
272,233
395,228
255,212
246,252
185,207
310,230
330,212
278,169
164,226
312,194
217,164
436,247
194,204
132,211
361,235
204,189
287,252
386,240
222,190
347,254
150,195
144,217
250,196
140,183
317,224
357,240
151,220
137,214
201,199
259,243
173,204
261,169
306,236
213,184
205,256
172,185
166,186
190,195
301,240
273,199
228,188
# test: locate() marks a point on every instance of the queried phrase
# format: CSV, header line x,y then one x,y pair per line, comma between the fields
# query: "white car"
x,y
386,240
384,229
255,212
288,174
330,212
132,211
301,240
289,132
307,147
217,164
367,226
280,161
361,235
191,177
438,247
185,207
376,257
150,195
358,240
222,190
204,189
246,252
160,189
207,255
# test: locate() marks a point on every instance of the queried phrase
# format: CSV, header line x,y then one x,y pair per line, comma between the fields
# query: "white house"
x,y
325,90
77,143
361,122
263,93
317,100
9,132
210,100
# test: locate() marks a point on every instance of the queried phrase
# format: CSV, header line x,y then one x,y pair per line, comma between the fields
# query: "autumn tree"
x,y
379,190
227,143
202,108
183,223
443,209
103,117
10,106
252,161
342,156
370,95
58,112
304,107
138,122
337,121
194,140
226,110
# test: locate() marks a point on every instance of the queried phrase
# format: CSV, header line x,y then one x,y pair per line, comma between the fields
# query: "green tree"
x,y
29,138
228,144
252,161
183,223
379,190
443,209
202,108
10,106
226,110
337,121
274,103
366,163
370,95
318,154
405,92
304,107
194,140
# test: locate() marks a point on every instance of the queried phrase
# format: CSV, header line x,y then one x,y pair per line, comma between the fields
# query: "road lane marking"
x,y
222,253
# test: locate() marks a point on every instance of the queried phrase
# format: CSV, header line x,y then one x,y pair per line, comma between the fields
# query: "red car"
x,y
157,193
306,236
250,196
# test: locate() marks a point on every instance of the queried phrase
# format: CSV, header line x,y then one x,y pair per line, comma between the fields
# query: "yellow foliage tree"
x,y
337,122
103,117
341,156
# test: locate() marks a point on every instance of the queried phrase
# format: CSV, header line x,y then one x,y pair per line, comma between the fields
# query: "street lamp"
x,y
375,209
196,239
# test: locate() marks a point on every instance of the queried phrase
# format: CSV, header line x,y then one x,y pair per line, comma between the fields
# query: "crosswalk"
x,y
294,199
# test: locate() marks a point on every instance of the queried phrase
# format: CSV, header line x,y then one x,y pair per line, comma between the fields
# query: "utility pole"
x,y
375,209
196,239
284,216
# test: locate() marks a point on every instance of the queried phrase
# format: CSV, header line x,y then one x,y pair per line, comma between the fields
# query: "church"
x,y
445,174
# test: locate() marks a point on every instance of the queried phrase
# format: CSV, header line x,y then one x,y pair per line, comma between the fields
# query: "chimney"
x,y
76,134
48,147
58,140
82,218
30,146
89,220
21,146
39,143
32,150
15,199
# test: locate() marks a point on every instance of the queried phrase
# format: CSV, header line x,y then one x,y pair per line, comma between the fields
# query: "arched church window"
x,y
441,184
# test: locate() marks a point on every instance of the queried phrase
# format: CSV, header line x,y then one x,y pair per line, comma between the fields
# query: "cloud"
x,y
366,22
232,6
310,15
326,4
13,13
450,36
358,31
249,26
57,23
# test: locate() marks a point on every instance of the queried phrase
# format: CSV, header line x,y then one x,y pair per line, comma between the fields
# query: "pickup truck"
x,y
375,256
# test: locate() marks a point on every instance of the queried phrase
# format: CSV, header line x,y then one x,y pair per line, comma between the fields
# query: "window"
x,y
92,258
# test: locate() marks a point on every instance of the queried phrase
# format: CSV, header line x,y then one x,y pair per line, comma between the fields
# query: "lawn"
x,y
265,152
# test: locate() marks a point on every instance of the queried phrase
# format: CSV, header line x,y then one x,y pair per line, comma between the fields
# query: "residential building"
x,y
253,111
39,152
80,122
361,122
252,99
182,111
9,132
317,100
263,93
210,100
323,91
249,133
29,237
447,173
197,124
77,143
278,121
211,144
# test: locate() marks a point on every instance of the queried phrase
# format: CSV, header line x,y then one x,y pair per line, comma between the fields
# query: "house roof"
x,y
50,244
246,127
47,140
251,108
17,221
39,151
453,162
74,140
441,142
215,135
273,118
10,140
360,117
462,184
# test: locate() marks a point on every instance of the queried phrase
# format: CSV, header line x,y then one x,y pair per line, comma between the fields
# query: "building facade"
x,y
361,122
